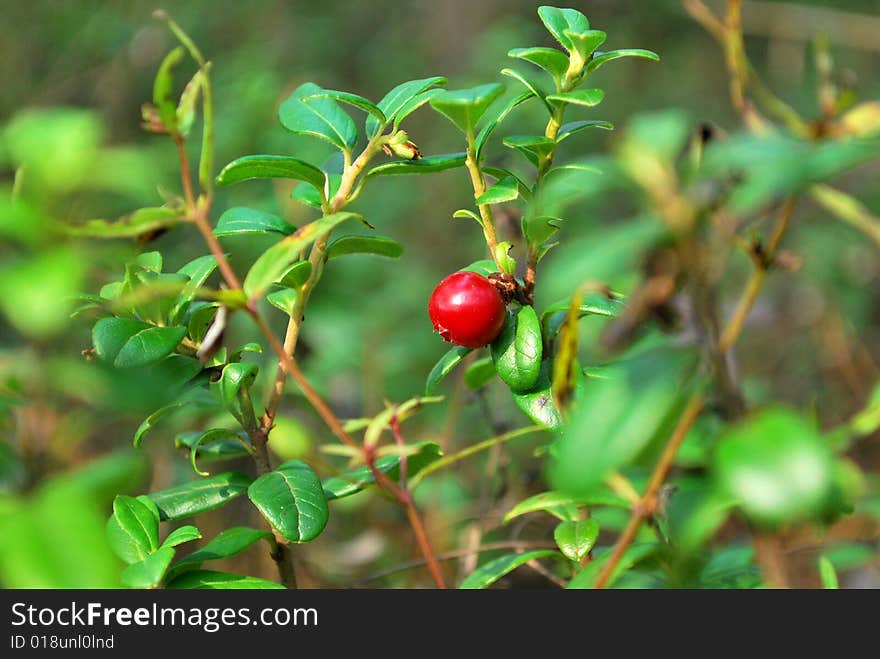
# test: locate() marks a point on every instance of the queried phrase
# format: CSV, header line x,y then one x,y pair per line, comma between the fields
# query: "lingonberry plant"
x,y
652,445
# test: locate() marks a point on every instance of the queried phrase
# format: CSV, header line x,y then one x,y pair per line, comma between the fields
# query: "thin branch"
x,y
648,502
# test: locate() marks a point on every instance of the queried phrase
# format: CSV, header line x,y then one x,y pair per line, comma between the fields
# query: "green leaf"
x,y
230,542
560,505
132,530
198,270
275,261
210,440
379,245
291,499
425,165
148,423
617,416
583,97
138,223
776,465
220,447
212,580
414,104
444,367
241,220
467,213
181,535
350,99
163,90
479,372
248,168
592,303
351,482
396,100
538,403
126,343
149,572
483,267
538,230
551,60
529,84
558,21
313,197
296,275
505,261
236,379
569,129
321,118
827,574
488,573
492,123
283,299
517,350
584,43
576,539
636,553
501,173
186,107
199,496
601,58
534,147
506,189
465,107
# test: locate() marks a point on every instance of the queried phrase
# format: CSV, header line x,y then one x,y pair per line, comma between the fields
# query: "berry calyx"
x,y
467,309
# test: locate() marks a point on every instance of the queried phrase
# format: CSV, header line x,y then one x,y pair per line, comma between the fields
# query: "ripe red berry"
x,y
467,309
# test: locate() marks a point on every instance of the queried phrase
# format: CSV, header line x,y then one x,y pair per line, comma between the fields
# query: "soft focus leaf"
x,y
488,573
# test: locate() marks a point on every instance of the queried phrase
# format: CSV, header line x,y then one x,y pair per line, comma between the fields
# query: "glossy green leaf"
x,y
348,98
148,423
396,100
534,147
495,120
241,220
533,87
501,173
569,129
230,542
378,245
551,60
127,343
584,43
321,118
479,372
235,380
469,214
148,573
584,97
198,270
828,574
296,275
558,21
517,350
414,104
562,506
209,438
248,168
283,299
464,107
181,535
313,197
275,261
776,465
600,58
212,580
163,89
575,539
483,267
200,495
132,530
488,573
425,165
351,482
291,499
444,367
499,192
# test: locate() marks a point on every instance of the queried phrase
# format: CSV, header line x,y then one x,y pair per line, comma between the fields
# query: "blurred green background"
x,y
812,340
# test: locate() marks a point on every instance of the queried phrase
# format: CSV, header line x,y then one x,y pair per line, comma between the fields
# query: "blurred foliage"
x,y
801,466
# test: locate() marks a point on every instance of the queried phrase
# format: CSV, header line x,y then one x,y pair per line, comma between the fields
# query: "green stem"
x,y
478,182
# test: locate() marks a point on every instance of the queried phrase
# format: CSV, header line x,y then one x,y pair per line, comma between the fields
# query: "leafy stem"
x,y
478,182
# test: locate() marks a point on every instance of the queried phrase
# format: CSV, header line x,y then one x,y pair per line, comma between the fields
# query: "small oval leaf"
x,y
292,500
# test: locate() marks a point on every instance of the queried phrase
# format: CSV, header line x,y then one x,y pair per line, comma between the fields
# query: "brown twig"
x,y
648,503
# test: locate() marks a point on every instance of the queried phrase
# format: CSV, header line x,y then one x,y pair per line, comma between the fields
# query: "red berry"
x,y
467,309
